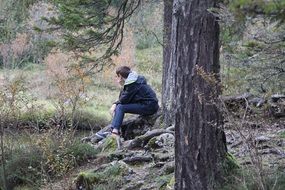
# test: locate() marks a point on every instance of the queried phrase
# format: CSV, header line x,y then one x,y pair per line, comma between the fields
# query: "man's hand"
x,y
112,109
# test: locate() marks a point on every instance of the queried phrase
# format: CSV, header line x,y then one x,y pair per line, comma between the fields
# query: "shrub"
x,y
23,166
44,157
69,82
62,151
245,179
81,151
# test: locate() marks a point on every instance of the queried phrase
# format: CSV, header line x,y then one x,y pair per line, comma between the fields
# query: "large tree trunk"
x,y
167,96
200,146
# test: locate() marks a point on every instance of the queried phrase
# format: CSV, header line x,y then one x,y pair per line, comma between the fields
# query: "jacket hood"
x,y
132,77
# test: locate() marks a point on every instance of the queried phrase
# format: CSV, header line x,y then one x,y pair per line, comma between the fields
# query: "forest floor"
x,y
258,144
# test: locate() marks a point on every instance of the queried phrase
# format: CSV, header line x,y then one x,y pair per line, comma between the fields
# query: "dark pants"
x,y
140,109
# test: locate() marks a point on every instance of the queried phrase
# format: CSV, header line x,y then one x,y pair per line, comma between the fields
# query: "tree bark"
x,y
200,146
167,95
3,155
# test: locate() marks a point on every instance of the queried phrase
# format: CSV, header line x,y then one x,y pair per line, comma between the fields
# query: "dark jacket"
x,y
138,92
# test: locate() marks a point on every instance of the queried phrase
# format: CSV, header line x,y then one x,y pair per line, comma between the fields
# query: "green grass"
x,y
245,179
149,64
25,187
282,134
34,158
164,181
102,92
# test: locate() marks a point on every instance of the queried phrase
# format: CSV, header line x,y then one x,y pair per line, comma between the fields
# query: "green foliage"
x,y
43,157
87,179
230,164
254,45
273,8
62,152
109,177
244,179
254,64
81,151
282,134
36,118
171,182
109,145
229,38
23,166
13,14
252,42
101,27
148,32
164,182
25,187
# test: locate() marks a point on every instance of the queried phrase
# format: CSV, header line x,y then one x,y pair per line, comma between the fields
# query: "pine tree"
x,y
200,147
91,25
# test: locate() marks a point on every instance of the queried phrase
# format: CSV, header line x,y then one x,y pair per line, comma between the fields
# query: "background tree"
x,y
167,95
252,39
199,138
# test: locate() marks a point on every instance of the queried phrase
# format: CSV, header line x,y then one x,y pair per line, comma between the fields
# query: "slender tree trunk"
x,y
3,156
200,141
167,96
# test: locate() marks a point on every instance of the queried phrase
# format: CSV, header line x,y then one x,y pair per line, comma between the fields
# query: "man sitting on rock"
x,y
136,97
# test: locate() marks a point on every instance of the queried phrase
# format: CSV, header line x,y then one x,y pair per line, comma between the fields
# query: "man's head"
x,y
123,71
122,74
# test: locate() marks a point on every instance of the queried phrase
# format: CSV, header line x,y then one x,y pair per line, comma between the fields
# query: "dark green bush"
x,y
23,166
245,179
82,151
32,164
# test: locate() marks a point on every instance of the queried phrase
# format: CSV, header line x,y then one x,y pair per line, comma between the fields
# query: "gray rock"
x,y
163,140
261,139
258,102
281,143
138,125
276,97
168,168
135,186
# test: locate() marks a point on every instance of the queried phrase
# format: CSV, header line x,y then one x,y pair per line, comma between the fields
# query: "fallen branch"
x,y
142,140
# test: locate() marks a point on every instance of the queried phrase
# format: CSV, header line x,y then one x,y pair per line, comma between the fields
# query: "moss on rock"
x,y
164,182
109,175
170,184
152,143
87,179
109,144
